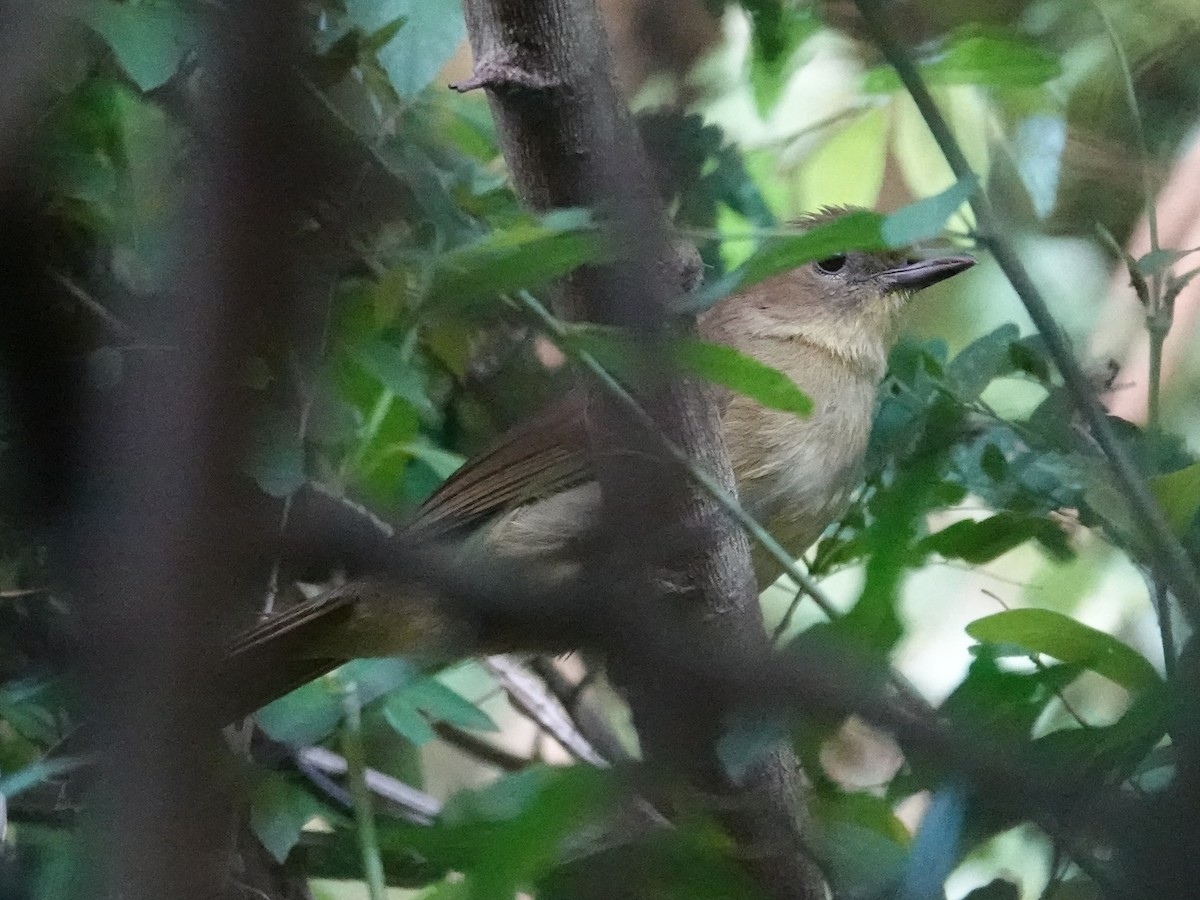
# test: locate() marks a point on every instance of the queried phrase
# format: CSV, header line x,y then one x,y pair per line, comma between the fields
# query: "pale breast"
x,y
796,475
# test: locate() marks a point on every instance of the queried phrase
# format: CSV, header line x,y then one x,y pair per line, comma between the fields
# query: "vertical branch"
x,y
156,537
569,141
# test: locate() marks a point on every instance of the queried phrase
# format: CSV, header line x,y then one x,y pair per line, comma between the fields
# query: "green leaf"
x,y
443,704
982,541
620,353
383,35
277,457
925,219
743,374
36,773
310,713
432,31
443,463
997,59
1003,703
1063,638
278,813
527,254
399,373
858,230
1178,493
149,39
406,720
778,31
1156,262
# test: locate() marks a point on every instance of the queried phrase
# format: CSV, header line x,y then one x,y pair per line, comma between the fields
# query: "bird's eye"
x,y
831,265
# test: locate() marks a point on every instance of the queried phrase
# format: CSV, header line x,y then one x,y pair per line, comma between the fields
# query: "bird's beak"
x,y
914,276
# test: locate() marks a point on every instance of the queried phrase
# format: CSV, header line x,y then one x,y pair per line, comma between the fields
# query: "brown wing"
x,y
536,458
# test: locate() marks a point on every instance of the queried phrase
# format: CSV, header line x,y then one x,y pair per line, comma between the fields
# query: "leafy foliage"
x,y
422,359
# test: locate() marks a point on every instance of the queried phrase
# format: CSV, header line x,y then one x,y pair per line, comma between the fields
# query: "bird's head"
x,y
848,303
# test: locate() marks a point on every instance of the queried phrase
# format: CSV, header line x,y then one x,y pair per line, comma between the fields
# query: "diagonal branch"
x,y
1169,557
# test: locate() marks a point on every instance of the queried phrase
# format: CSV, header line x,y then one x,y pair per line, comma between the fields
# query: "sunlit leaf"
x,y
1063,638
998,59
858,230
432,30
925,219
1038,148
743,374
149,39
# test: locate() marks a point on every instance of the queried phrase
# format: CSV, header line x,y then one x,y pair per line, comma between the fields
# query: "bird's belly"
x,y
805,487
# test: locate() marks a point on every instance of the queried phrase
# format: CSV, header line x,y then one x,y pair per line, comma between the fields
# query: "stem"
x,y
1166,628
360,794
1157,335
1169,557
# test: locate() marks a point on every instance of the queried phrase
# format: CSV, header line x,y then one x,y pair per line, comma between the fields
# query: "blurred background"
x,y
1079,116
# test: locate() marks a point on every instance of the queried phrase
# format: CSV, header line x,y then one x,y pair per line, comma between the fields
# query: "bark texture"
x,y
569,141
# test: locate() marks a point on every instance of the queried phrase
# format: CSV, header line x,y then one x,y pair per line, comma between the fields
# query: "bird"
x,y
531,496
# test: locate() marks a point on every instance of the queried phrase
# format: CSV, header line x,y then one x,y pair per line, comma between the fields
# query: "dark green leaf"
x,y
1063,638
996,889
925,219
527,254
1178,493
981,362
399,373
382,36
982,541
278,813
778,31
861,861
743,374
1004,703
993,463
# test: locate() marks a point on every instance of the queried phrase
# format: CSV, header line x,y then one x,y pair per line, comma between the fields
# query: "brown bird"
x,y
530,497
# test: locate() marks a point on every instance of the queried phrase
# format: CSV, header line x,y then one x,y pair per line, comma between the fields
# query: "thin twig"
x,y
356,774
94,307
588,716
1169,555
418,806
483,750
532,698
